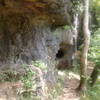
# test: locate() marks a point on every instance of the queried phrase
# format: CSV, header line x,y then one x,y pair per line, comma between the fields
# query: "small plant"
x,y
93,93
28,83
27,77
66,27
40,65
32,80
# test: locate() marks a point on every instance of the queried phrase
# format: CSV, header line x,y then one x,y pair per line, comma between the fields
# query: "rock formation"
x,y
27,32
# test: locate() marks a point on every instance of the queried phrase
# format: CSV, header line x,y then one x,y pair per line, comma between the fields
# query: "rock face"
x,y
52,10
26,30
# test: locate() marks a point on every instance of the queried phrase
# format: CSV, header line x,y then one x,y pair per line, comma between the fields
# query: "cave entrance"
x,y
61,59
64,56
60,54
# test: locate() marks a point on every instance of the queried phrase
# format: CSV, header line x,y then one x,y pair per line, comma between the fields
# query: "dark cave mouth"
x,y
63,62
60,54
61,65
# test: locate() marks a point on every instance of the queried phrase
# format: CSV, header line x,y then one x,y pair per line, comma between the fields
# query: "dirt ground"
x,y
69,90
9,90
71,83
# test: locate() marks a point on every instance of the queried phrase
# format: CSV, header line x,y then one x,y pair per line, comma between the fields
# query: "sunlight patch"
x,y
73,75
61,73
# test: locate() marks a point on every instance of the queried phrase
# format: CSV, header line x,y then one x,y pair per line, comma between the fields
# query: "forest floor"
x,y
71,82
8,89
69,90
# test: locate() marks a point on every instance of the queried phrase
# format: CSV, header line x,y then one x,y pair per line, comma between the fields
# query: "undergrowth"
x,y
9,75
57,89
92,93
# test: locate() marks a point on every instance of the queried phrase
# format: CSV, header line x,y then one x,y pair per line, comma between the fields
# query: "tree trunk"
x,y
75,33
94,76
83,59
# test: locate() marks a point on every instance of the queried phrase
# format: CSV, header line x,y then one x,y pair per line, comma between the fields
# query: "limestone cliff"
x,y
26,29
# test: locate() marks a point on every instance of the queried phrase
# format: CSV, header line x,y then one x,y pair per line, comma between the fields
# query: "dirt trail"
x,y
70,84
69,90
9,90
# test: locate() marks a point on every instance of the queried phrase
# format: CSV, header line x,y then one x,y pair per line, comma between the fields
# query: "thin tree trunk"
x,y
75,35
83,59
75,30
94,76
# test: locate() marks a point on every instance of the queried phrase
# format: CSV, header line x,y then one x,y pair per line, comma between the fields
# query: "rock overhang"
x,y
55,12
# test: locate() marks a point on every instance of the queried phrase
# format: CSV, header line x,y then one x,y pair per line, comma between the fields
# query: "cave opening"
x,y
60,54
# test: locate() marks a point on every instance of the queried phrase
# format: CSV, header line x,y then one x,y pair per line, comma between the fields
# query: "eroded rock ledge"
x,y
33,30
26,29
55,11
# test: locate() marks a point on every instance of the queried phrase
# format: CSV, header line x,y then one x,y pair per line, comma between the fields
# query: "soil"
x,y
69,90
71,83
9,90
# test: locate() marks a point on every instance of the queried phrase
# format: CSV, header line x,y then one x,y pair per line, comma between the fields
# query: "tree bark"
x,y
94,76
75,33
86,36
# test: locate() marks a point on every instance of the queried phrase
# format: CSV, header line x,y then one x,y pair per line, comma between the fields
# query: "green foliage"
x,y
61,29
76,6
93,93
95,11
40,65
27,77
96,8
94,50
66,27
31,81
